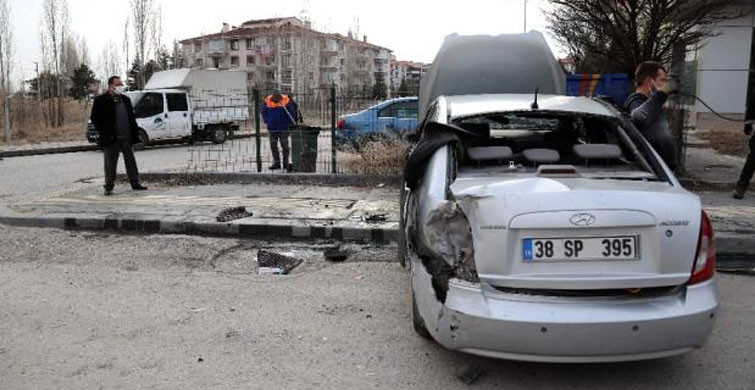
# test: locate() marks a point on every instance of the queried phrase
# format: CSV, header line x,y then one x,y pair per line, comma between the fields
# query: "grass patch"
x,y
381,157
30,124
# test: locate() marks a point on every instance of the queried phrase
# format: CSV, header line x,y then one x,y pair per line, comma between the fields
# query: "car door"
x,y
151,116
406,116
179,121
386,118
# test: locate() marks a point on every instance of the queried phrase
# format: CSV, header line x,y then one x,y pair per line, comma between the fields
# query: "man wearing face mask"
x,y
646,108
113,118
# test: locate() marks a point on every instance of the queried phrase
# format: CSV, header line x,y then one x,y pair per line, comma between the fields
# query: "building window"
x,y
234,44
288,77
270,60
250,60
197,46
199,62
286,43
217,45
286,61
235,62
270,75
250,43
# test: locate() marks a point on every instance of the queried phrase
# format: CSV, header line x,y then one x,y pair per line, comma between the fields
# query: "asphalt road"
x,y
91,310
26,176
23,177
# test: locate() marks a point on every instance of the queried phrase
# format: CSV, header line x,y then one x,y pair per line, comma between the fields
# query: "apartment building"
x,y
286,54
407,71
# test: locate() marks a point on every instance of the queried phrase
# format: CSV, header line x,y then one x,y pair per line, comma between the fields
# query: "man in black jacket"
x,y
113,118
646,108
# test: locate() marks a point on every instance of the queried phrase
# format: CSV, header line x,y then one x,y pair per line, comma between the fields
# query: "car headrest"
x,y
488,153
597,151
542,155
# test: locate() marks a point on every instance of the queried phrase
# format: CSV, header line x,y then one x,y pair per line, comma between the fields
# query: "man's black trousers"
x,y
111,162
275,138
749,169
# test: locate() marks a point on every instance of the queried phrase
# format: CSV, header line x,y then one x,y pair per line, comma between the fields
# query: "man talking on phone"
x,y
646,108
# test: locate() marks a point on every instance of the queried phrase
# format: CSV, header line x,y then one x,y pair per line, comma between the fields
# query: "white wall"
x,y
724,65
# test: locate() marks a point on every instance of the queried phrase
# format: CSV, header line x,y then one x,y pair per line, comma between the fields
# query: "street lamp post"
x,y
525,16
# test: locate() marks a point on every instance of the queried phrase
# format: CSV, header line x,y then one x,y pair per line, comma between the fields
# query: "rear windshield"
x,y
596,146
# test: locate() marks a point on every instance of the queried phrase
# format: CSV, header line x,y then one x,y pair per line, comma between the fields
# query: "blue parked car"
x,y
392,117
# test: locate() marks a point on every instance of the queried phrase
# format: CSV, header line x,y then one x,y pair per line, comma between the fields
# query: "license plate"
x,y
581,248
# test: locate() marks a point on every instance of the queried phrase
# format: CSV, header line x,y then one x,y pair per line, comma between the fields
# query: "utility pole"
x,y
525,16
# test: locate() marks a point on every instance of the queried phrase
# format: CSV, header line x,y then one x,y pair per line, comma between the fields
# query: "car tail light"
x,y
340,124
705,258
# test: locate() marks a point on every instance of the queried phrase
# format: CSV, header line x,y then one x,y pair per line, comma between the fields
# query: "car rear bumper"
x,y
487,322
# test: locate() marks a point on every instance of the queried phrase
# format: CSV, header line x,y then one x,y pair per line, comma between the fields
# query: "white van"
x,y
188,105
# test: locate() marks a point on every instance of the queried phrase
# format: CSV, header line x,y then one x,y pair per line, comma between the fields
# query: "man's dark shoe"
x,y
108,191
138,187
739,191
289,168
275,166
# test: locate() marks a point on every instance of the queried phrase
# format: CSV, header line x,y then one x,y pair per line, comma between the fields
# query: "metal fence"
x,y
318,139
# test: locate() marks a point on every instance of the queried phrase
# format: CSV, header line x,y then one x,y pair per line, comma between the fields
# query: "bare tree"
x,y
142,19
6,47
110,61
126,46
84,51
156,31
54,38
615,36
71,56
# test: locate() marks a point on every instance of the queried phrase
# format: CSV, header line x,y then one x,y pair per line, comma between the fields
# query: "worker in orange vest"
x,y
279,111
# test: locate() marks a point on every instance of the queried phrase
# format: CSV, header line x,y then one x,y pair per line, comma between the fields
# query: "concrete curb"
x,y
325,179
215,229
735,244
75,149
58,150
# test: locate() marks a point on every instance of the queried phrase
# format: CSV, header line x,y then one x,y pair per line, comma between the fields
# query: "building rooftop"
x,y
258,25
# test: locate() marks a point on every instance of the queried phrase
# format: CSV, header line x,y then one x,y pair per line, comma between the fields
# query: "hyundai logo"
x,y
582,219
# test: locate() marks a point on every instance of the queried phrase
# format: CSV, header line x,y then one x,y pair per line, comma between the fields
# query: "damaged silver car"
x,y
542,227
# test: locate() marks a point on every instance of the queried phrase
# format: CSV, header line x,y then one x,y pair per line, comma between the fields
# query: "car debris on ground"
x,y
233,213
275,263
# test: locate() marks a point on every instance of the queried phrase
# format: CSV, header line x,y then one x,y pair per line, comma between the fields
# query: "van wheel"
x,y
143,141
219,135
418,322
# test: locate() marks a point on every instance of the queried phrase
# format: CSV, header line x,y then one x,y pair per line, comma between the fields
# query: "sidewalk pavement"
x,y
709,169
353,213
364,212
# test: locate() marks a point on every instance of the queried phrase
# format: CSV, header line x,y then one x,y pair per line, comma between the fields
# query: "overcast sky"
x,y
414,30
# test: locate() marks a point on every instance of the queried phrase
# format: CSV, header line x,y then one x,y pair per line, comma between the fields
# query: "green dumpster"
x,y
304,148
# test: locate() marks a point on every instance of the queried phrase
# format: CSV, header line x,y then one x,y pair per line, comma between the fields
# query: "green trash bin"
x,y
304,148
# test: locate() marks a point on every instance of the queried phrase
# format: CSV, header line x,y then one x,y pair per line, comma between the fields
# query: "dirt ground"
x,y
725,137
83,310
